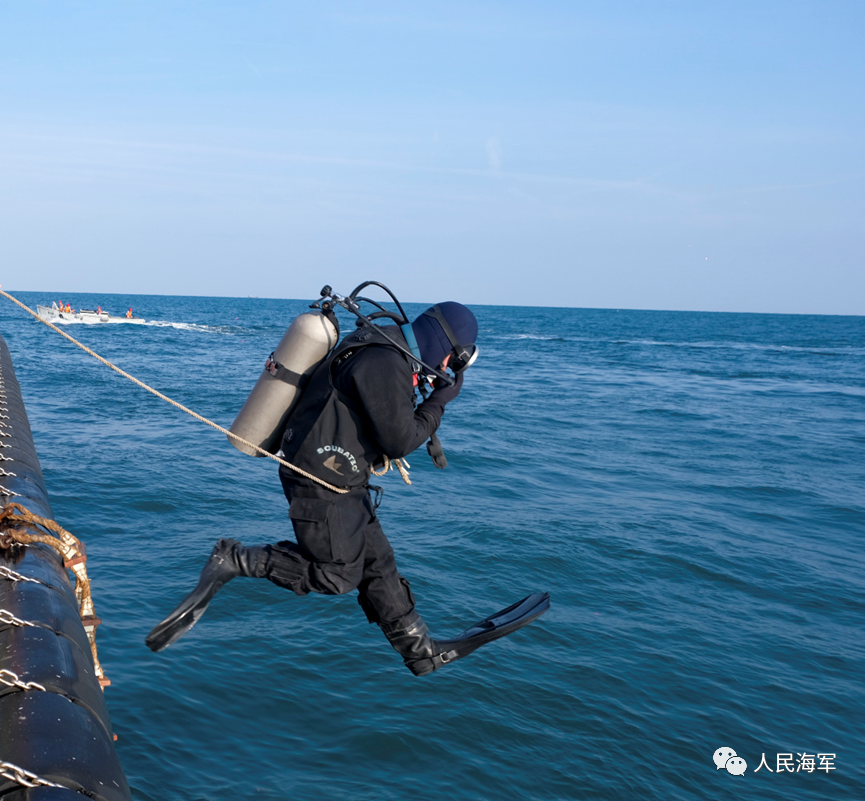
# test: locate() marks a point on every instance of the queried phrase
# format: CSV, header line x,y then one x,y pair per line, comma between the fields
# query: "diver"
x,y
358,405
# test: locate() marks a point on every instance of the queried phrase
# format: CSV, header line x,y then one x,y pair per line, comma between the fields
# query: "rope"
x,y
401,464
180,406
74,558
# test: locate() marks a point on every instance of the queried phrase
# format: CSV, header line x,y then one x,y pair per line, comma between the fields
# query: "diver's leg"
x,y
228,560
383,593
387,600
328,555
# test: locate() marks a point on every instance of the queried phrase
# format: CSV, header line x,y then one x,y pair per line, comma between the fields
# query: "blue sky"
x,y
661,155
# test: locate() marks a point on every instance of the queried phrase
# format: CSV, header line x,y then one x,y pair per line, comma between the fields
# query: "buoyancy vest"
x,y
326,434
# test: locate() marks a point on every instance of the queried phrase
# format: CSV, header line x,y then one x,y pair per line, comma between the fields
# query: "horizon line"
x,y
489,305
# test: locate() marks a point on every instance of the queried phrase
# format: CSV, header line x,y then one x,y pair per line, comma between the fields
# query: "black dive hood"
x,y
463,356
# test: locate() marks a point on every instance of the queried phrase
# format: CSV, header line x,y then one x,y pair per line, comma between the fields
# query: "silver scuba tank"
x,y
262,419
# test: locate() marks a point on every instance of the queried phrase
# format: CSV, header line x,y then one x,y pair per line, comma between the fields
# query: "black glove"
x,y
442,394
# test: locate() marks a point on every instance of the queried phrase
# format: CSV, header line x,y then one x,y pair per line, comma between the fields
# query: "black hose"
x,y
350,303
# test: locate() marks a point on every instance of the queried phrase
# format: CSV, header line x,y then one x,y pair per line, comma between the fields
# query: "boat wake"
x,y
88,317
197,327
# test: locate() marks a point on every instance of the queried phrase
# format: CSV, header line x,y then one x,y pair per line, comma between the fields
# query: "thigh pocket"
x,y
310,518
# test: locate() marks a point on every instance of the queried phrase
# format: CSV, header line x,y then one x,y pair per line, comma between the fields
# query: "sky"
x,y
648,155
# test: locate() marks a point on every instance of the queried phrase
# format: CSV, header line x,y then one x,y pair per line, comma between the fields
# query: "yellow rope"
x,y
74,558
180,406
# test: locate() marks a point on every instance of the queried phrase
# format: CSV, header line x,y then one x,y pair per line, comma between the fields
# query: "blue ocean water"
x,y
689,487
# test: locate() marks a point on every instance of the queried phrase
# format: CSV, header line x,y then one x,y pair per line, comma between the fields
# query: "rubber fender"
x,y
42,563
58,727
32,601
12,452
38,655
26,483
61,742
43,794
304,346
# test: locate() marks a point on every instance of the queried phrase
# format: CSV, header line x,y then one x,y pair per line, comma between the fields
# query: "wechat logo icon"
x,y
727,758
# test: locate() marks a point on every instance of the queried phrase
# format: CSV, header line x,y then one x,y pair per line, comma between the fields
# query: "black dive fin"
x,y
227,559
181,620
502,623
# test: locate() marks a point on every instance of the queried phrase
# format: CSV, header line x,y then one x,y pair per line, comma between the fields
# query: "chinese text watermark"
x,y
784,763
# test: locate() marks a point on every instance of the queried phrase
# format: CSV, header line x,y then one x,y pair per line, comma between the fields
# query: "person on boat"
x,y
129,313
364,392
68,309
99,310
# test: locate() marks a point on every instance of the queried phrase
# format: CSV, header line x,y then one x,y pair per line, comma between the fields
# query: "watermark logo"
x,y
736,765
784,763
729,759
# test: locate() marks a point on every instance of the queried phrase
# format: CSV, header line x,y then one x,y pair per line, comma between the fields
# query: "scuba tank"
x,y
306,343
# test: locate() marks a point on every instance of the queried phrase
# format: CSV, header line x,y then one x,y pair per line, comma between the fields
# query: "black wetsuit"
x,y
357,407
340,544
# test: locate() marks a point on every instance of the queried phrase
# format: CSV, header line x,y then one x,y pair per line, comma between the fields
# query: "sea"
x,y
689,487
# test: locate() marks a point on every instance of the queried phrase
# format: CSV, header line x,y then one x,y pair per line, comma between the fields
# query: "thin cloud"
x,y
494,155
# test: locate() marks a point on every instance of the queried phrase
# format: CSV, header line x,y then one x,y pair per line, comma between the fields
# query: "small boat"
x,y
53,313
